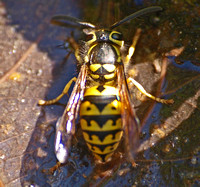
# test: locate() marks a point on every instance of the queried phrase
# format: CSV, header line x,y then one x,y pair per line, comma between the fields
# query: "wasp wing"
x,y
65,126
129,119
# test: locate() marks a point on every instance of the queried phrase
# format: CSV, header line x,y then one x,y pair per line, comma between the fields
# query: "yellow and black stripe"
x,y
100,118
101,91
103,62
103,56
100,110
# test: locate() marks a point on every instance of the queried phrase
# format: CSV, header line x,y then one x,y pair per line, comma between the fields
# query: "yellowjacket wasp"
x,y
101,93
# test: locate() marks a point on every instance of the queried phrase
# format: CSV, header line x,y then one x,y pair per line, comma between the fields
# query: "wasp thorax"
x,y
103,53
102,62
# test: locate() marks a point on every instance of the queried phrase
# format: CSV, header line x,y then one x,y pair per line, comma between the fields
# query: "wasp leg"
x,y
143,91
64,92
75,46
132,47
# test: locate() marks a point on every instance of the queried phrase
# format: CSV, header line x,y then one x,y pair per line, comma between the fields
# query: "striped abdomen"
x,y
100,119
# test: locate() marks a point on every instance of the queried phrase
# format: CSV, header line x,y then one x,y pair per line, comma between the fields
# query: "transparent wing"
x,y
65,126
129,118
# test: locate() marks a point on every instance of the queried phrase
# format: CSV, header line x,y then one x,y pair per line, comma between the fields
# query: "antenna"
x,y
137,14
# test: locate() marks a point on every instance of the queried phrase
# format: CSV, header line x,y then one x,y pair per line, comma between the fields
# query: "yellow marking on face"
x,y
94,38
94,67
109,67
118,42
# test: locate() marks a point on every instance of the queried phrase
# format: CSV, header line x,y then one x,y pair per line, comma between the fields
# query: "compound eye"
x,y
89,37
116,36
